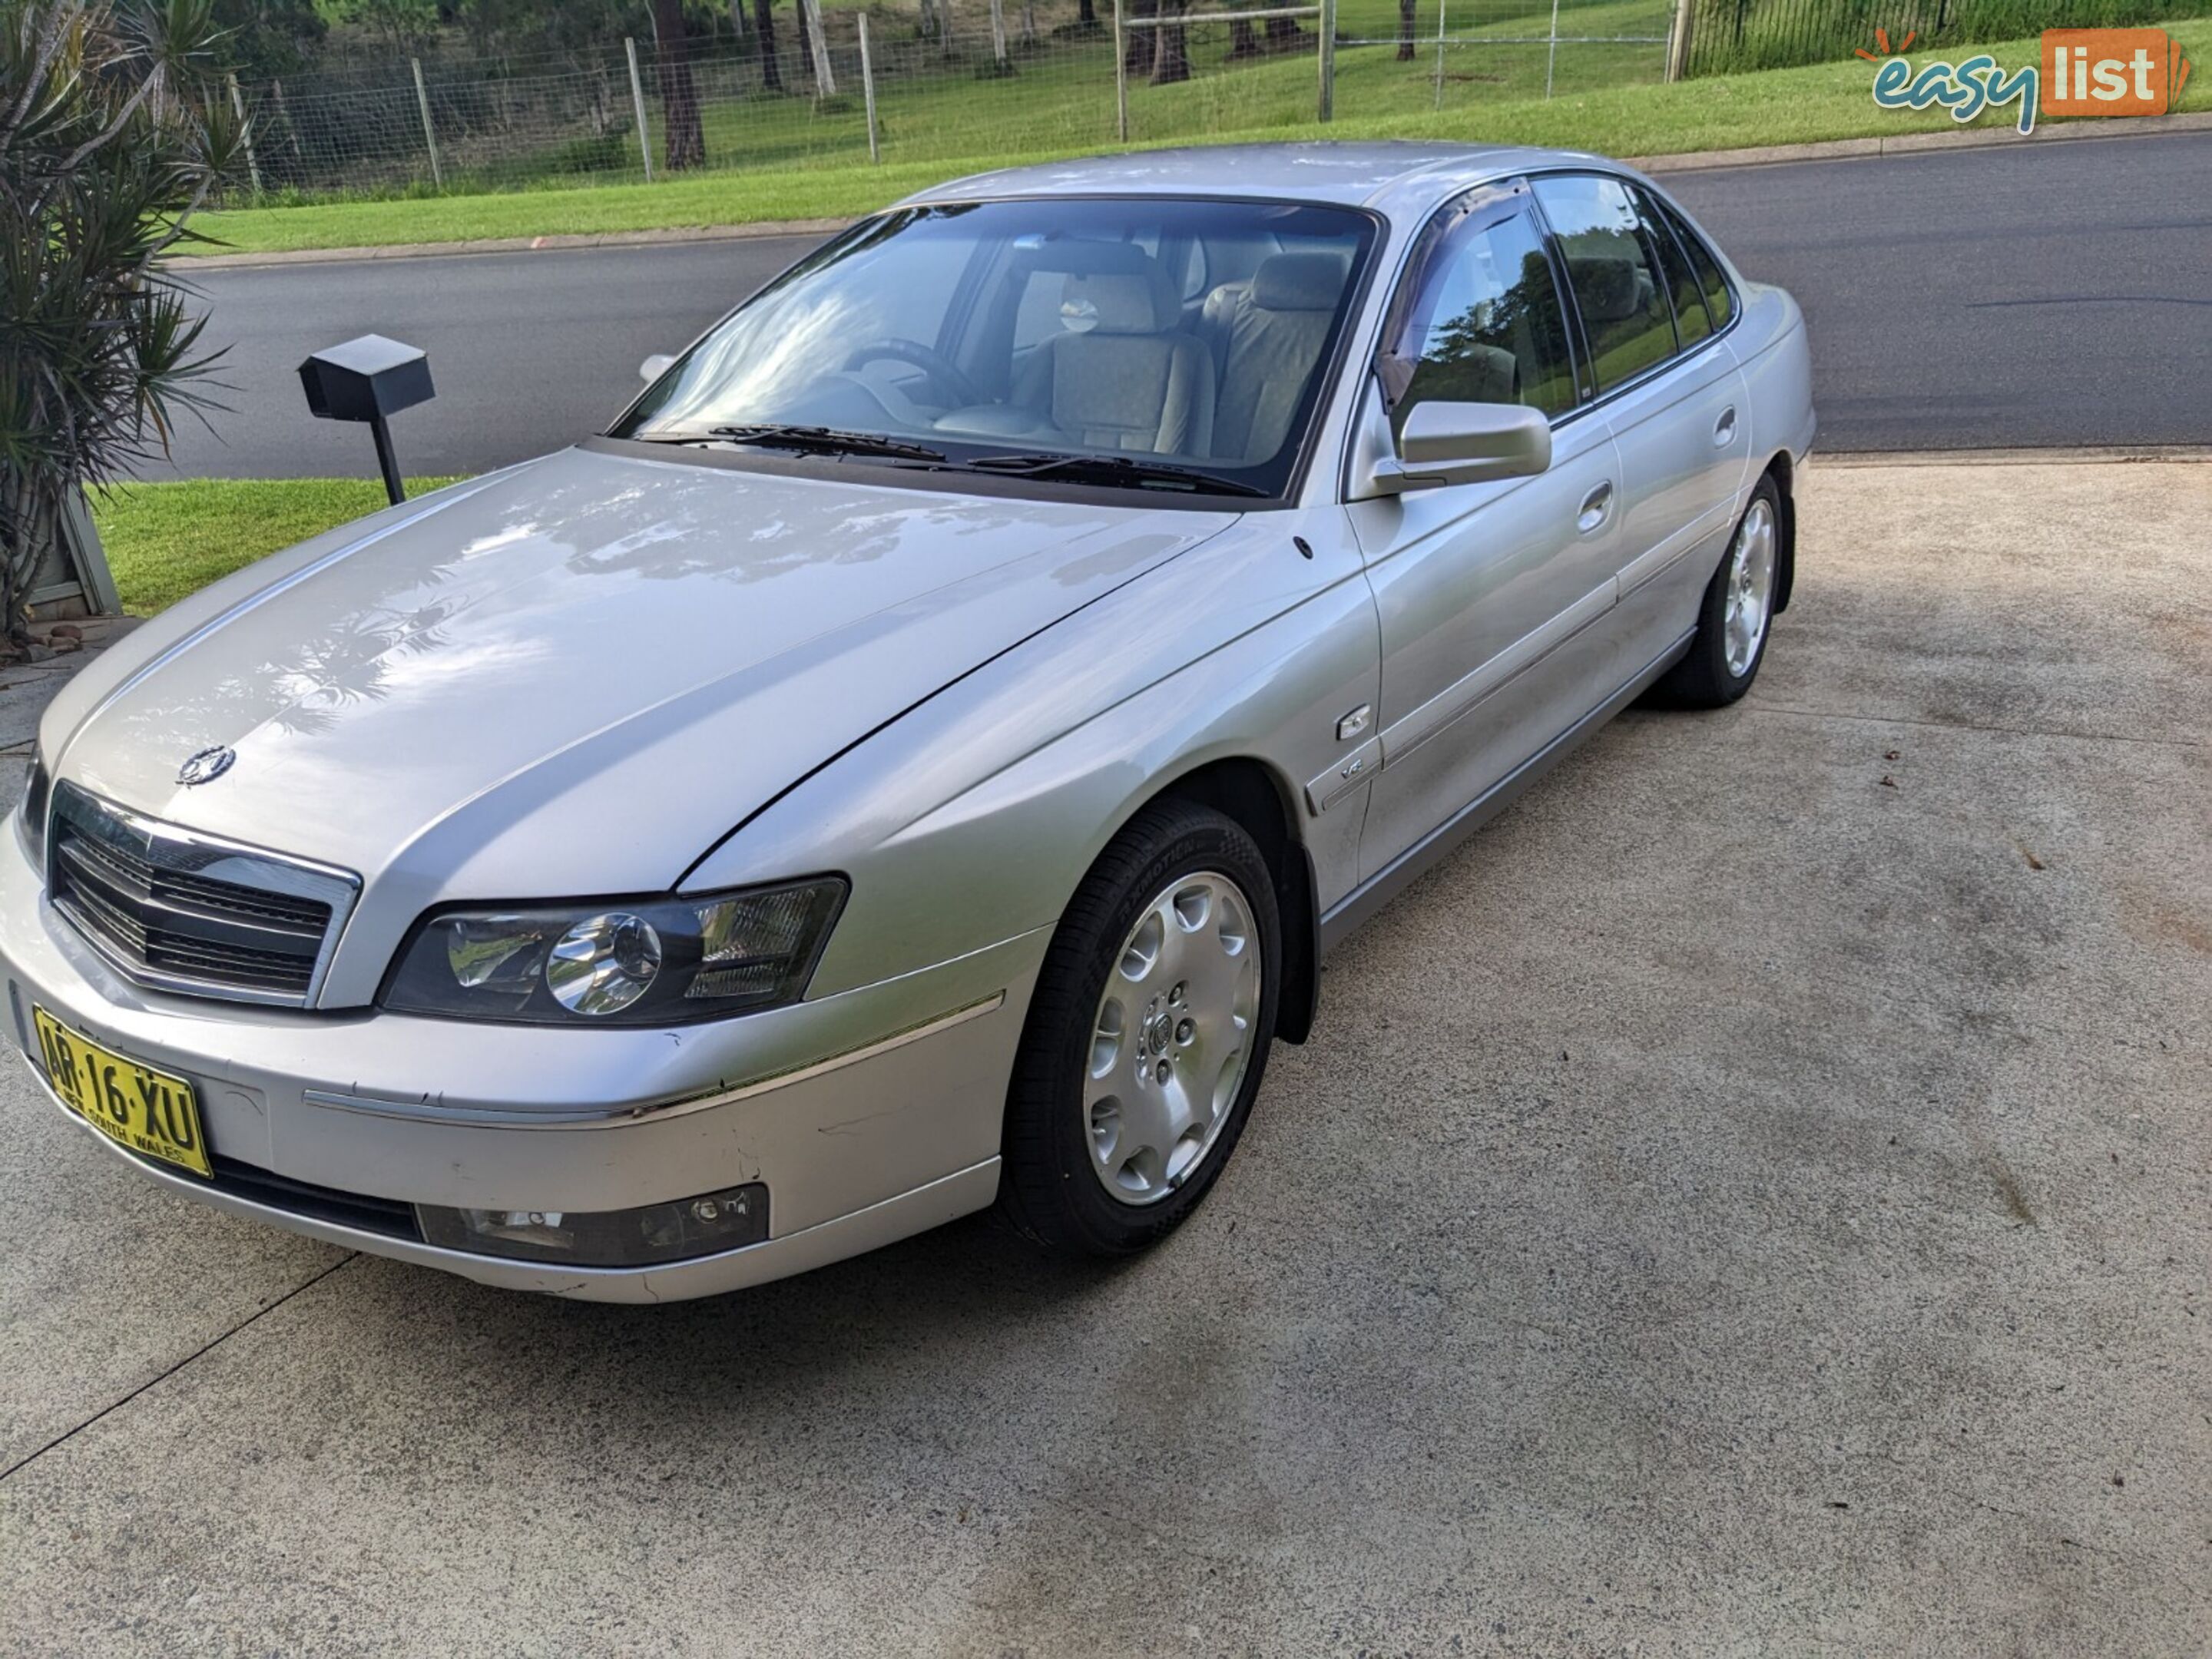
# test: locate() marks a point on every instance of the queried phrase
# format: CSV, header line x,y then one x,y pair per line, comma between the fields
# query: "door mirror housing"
x,y
654,366
1448,443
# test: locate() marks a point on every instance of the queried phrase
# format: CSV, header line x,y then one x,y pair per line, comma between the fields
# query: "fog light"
x,y
606,1238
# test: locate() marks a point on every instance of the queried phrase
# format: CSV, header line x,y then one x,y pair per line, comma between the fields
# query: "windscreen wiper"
x,y
827,440
1114,469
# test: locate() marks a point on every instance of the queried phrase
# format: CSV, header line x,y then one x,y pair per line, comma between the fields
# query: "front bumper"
x,y
870,1115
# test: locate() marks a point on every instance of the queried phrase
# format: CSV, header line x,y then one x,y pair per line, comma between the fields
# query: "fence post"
x,y
429,132
1678,45
868,90
1440,53
945,20
85,558
637,108
291,128
1551,53
1121,78
246,131
1328,55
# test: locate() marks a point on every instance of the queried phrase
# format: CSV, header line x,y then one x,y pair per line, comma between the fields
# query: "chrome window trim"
x,y
167,846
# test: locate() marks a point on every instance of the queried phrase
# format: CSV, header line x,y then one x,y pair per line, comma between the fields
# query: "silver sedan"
x,y
918,757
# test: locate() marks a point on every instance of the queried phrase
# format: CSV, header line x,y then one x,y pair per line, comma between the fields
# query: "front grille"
x,y
182,912
386,1216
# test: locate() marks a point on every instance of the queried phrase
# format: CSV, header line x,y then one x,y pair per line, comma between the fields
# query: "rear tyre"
x,y
1737,615
1146,1038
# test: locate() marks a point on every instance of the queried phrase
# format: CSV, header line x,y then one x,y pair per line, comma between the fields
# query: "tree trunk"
x,y
817,49
1284,34
1242,43
764,26
30,539
1171,58
684,145
1137,45
805,34
1406,31
737,18
1086,14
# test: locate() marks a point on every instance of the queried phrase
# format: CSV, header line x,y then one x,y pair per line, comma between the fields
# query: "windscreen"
x,y
1168,345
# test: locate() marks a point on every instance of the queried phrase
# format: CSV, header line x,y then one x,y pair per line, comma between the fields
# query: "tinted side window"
x,y
1625,314
1708,268
1690,322
1486,325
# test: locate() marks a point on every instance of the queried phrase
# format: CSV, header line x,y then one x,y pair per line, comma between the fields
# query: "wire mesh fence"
x,y
949,80
1732,36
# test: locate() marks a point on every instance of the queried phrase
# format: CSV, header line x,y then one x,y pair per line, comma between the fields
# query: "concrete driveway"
x,y
1756,1198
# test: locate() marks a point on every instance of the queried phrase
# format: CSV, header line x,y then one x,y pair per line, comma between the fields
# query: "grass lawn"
x,y
165,540
957,124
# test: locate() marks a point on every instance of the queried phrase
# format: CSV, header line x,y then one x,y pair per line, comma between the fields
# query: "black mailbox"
x,y
368,379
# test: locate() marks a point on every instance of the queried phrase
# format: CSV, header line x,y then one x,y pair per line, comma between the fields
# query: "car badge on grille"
x,y
206,766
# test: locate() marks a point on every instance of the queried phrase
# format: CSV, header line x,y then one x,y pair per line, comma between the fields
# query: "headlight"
x,y
659,961
31,816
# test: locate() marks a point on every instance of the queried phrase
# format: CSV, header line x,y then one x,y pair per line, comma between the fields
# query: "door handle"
x,y
1724,428
1596,507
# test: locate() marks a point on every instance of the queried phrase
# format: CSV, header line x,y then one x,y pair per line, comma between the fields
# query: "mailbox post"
x,y
370,379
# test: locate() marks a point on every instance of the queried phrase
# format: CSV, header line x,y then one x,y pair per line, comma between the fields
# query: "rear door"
x,y
1487,592
1670,391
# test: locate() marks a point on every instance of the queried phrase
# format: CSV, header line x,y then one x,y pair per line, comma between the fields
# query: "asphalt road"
x,y
1754,1198
2053,293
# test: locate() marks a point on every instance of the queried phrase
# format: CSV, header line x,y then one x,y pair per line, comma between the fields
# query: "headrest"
x,y
1605,286
1120,302
1300,282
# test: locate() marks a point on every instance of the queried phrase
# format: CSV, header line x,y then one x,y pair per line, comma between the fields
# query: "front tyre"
x,y
1146,1036
1733,622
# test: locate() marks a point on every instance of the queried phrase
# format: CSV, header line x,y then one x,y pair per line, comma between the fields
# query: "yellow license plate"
x,y
148,1112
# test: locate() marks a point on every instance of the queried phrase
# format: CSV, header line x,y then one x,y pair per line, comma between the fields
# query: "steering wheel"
x,y
959,390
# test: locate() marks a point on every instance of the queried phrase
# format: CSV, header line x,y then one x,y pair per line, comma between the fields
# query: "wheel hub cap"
x,y
1173,1037
1750,588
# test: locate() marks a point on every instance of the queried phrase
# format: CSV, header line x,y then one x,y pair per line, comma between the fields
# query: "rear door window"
x,y
1691,321
1719,301
1611,272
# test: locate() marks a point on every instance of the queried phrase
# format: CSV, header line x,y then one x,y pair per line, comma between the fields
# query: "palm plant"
x,y
112,132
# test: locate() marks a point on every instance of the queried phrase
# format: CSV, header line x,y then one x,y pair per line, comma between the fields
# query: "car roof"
x,y
1381,175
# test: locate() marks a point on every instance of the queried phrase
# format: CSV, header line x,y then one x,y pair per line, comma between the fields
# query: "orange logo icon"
x,y
2111,72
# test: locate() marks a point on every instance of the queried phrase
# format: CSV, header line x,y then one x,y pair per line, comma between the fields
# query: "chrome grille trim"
x,y
178,911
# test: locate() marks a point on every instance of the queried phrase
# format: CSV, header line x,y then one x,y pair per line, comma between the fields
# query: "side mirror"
x,y
1445,443
654,366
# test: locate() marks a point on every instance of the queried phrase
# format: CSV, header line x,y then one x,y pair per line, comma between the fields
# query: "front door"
x,y
1486,593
